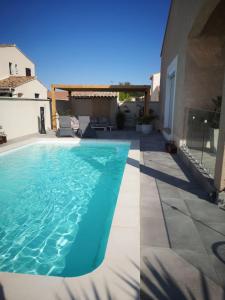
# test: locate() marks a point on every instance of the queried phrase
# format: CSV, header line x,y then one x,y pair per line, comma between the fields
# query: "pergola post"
x,y
219,178
53,107
146,102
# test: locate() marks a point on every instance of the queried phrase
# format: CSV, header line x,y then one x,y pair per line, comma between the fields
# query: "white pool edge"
x,y
122,259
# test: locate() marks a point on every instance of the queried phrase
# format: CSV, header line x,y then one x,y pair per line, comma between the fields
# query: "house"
x,y
17,75
23,98
192,87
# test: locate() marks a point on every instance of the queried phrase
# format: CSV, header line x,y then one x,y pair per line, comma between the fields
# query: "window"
x,y
170,97
10,69
16,69
28,72
36,95
5,94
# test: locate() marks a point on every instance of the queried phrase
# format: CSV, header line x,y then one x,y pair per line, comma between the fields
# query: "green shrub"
x,y
120,119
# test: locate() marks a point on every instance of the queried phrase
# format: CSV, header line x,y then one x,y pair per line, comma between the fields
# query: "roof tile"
x,y
14,81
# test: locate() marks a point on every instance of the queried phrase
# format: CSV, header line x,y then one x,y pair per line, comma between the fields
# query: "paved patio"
x,y
182,234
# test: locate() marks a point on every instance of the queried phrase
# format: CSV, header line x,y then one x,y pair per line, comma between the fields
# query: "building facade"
x,y
22,96
192,87
17,75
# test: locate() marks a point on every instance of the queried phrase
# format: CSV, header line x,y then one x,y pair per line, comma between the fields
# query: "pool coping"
x,y
118,276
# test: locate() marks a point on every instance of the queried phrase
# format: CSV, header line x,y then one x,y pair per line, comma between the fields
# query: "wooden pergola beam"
x,y
53,107
99,88
102,88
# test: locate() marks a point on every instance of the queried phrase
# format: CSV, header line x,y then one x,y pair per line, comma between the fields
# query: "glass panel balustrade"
x,y
202,131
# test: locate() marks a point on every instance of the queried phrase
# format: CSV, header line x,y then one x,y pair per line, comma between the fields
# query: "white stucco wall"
x,y
97,107
20,117
15,56
155,87
30,88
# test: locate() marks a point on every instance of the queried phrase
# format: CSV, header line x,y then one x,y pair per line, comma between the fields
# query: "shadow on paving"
x,y
159,284
173,181
156,283
195,226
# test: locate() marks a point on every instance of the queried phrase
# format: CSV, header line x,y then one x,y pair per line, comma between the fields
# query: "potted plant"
x,y
146,126
3,137
214,123
171,147
120,119
139,124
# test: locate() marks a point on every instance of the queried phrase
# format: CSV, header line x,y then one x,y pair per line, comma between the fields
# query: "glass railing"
x,y
202,131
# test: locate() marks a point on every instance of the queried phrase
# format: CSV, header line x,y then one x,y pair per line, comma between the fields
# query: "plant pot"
x,y
138,127
146,128
4,139
214,135
170,147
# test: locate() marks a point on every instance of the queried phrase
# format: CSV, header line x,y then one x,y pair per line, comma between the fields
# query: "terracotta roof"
x,y
94,94
14,81
63,95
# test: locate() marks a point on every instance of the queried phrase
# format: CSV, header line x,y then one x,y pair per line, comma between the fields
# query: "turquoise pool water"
x,y
57,203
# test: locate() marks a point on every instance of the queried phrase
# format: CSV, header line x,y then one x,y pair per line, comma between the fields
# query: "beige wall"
x,y
13,55
97,107
155,87
132,108
20,117
30,88
195,88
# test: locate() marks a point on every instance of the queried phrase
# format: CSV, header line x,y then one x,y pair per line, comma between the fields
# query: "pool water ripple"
x,y
47,191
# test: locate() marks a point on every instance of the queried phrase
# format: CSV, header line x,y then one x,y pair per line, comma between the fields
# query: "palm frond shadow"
x,y
159,284
156,283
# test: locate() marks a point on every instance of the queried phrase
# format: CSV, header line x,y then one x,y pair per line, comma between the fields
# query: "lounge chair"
x,y
74,124
65,128
99,123
85,130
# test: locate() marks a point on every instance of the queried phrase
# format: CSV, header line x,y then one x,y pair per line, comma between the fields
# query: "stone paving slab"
x,y
165,275
153,230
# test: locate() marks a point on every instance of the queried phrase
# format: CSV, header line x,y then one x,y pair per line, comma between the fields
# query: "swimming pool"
x,y
57,203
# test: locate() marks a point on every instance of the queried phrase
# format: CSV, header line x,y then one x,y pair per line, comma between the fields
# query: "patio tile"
x,y
182,231
219,266
201,261
126,217
124,238
205,211
214,241
168,191
176,204
167,275
153,232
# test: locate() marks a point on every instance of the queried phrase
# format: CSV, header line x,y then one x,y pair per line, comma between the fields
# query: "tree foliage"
x,y
124,96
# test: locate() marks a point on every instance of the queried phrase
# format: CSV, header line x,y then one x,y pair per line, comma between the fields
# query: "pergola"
x,y
99,88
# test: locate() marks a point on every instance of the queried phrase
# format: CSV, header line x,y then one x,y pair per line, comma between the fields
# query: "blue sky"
x,y
87,42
